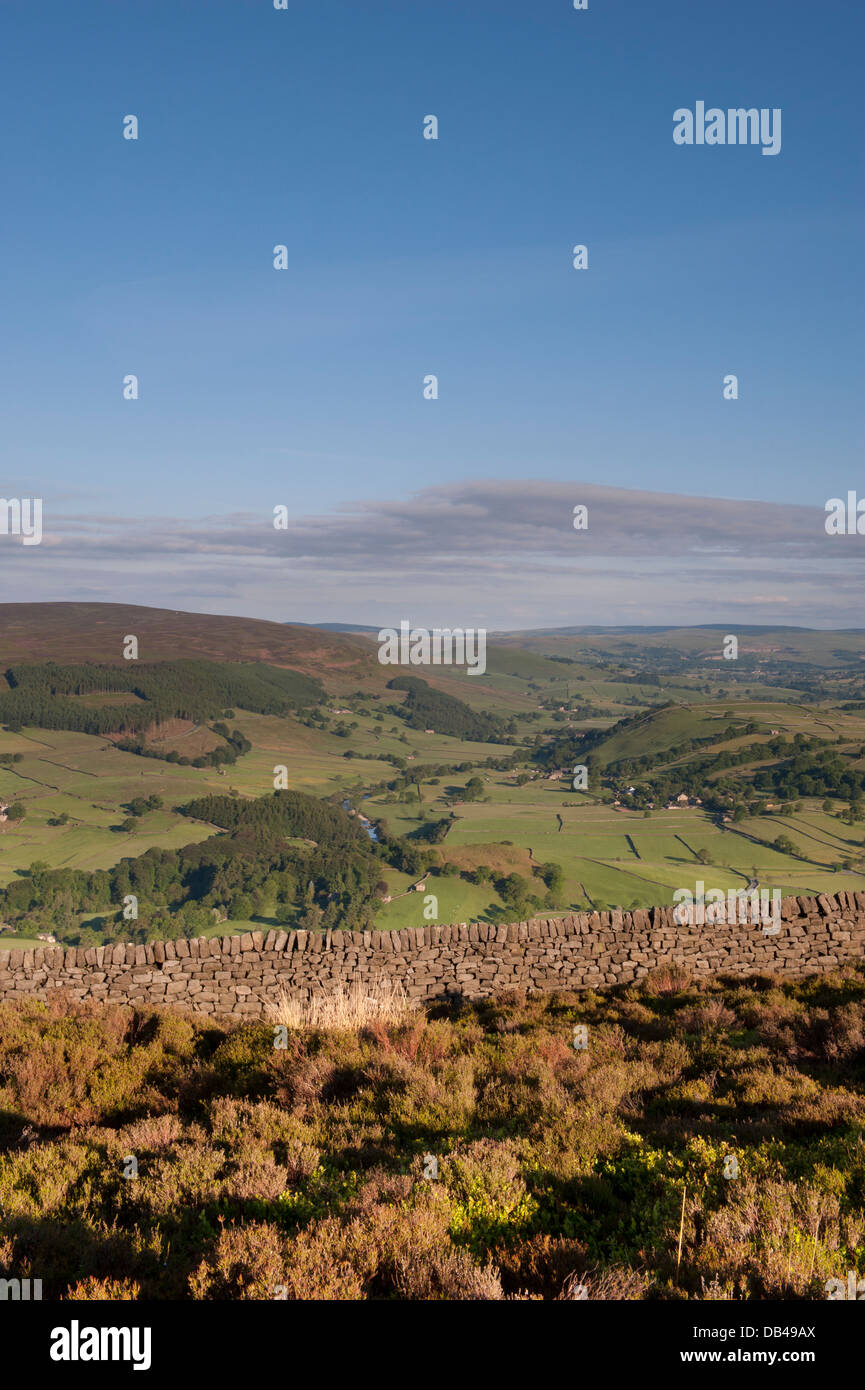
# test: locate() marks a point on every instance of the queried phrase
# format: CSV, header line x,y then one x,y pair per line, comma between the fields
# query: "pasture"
x,y
609,856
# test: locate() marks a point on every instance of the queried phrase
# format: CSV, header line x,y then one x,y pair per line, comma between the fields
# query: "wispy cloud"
x,y
502,554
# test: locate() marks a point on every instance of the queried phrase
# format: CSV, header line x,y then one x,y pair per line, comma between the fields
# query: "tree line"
x,y
49,695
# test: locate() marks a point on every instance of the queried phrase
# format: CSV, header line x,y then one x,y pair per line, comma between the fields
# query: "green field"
x,y
609,855
90,781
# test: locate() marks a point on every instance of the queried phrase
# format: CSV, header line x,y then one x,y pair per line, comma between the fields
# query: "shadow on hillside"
x,y
16,1131
60,1253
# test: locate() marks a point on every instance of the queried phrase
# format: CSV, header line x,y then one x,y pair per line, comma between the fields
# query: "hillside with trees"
x,y
425,708
331,879
49,696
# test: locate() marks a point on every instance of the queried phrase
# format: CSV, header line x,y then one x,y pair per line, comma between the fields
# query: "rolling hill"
x,y
95,631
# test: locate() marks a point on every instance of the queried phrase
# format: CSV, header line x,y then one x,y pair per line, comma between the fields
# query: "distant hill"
x,y
675,648
749,629
76,632
611,629
340,627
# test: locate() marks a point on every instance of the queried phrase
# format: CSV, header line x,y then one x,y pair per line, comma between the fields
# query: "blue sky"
x,y
408,256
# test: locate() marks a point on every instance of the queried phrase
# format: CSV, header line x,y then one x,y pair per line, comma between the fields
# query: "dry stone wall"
x,y
240,975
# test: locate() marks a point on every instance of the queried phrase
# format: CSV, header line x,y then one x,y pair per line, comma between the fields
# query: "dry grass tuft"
x,y
349,1007
617,1283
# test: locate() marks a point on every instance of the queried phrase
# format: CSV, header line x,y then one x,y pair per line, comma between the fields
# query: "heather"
x,y
706,1143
